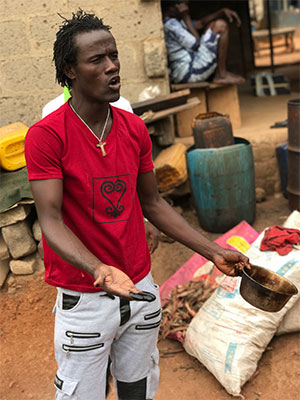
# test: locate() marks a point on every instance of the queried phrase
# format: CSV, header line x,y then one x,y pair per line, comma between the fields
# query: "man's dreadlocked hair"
x,y
64,49
166,4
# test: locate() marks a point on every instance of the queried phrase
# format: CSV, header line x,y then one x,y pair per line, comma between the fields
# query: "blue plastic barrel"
x,y
223,185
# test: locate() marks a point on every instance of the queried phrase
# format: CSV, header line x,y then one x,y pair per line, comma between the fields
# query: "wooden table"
x,y
263,34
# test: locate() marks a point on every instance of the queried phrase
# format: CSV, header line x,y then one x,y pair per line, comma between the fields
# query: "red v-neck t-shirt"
x,y
100,201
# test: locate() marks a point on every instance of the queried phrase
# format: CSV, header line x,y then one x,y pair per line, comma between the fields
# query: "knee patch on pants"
x,y
144,389
132,390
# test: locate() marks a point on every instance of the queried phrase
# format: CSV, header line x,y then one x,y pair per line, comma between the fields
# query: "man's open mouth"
x,y
115,82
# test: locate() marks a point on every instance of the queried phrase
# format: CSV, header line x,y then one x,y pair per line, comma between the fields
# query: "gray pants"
x,y
90,327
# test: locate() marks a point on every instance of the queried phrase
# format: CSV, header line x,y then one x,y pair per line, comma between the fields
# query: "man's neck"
x,y
93,113
169,15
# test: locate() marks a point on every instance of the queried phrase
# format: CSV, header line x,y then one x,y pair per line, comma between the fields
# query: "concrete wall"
x,y
27,33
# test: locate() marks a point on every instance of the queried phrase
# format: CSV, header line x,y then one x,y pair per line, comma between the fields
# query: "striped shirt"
x,y
186,62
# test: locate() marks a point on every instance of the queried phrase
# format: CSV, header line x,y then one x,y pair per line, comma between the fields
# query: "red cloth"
x,y
100,202
277,238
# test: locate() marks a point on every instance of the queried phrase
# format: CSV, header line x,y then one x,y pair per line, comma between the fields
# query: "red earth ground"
x,y
27,362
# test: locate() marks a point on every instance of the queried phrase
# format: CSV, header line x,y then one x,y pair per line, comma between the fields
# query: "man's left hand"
x,y
230,262
232,16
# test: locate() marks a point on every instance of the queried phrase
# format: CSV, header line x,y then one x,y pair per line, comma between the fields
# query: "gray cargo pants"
x,y
90,327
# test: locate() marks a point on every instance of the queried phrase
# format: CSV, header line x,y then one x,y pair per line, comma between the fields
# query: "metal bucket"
x,y
293,147
265,289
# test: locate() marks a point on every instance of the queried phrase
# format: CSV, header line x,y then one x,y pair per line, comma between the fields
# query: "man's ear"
x,y
69,71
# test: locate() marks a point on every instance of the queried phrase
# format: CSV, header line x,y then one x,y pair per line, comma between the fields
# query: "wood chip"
x,y
183,304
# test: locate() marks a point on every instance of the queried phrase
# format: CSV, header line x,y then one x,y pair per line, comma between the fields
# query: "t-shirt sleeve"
x,y
177,32
146,163
43,150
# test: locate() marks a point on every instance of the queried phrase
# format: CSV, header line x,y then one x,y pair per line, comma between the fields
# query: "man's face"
x,y
175,10
95,77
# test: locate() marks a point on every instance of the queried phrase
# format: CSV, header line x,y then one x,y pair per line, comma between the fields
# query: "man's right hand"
x,y
114,281
232,16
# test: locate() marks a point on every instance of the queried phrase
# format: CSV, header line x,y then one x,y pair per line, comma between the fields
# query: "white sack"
x,y
228,335
291,320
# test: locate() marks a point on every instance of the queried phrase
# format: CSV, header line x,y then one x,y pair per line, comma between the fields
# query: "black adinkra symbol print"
x,y
109,187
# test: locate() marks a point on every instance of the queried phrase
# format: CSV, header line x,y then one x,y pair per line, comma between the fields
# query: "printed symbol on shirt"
x,y
112,198
108,187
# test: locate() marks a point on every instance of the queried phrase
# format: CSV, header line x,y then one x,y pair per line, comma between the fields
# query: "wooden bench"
x,y
213,97
263,34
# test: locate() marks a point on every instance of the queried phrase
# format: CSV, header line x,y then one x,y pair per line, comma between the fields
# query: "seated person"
x,y
193,58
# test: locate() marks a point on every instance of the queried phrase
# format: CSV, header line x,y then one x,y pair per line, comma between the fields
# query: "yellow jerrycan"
x,y
12,139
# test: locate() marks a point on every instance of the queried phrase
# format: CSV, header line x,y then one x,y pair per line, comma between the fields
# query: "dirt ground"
x,y
27,362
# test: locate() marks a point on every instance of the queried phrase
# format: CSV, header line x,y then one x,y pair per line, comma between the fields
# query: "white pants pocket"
x,y
65,387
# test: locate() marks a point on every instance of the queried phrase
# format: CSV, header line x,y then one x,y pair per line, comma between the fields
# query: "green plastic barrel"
x,y
223,185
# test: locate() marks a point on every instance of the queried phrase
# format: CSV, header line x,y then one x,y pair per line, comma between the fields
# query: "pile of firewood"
x,y
183,304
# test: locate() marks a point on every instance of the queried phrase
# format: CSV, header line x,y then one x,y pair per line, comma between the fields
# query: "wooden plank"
x,y
189,85
185,118
192,102
161,102
225,100
199,85
218,85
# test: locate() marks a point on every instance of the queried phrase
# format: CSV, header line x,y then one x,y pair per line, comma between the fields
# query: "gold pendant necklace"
x,y
101,144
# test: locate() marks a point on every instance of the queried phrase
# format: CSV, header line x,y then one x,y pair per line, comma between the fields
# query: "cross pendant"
x,y
101,145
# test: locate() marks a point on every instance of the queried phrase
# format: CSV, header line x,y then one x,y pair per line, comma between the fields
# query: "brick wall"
x,y
27,33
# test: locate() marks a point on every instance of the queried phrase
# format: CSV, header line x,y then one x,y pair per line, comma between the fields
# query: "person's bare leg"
x,y
220,26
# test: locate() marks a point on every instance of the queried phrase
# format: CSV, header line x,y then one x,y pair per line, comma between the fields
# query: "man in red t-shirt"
x,y
91,175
